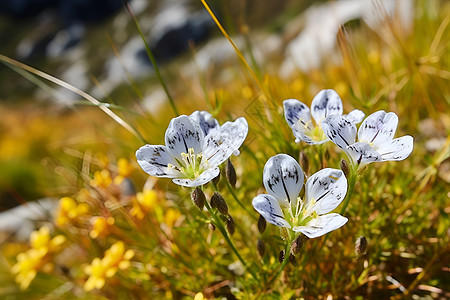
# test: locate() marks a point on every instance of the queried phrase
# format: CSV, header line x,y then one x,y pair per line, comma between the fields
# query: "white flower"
x,y
208,124
324,191
375,138
190,157
324,104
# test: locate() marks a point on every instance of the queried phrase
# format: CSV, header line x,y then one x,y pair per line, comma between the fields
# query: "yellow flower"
x,y
171,216
199,296
36,258
101,226
124,170
27,266
69,210
143,203
40,240
101,179
116,258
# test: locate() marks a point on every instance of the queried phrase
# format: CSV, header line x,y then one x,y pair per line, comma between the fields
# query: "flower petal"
x,y
322,225
355,116
362,154
327,188
219,146
298,117
397,149
205,120
326,103
203,178
154,160
295,111
238,130
283,178
183,133
339,130
270,209
378,128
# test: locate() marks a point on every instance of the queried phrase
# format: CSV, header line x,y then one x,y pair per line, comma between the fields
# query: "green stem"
x,y
351,187
284,263
227,238
230,189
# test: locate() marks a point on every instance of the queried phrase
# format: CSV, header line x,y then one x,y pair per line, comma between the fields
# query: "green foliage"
x,y
400,207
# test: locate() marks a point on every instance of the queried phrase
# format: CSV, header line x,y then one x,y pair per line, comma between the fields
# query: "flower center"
x,y
301,214
191,164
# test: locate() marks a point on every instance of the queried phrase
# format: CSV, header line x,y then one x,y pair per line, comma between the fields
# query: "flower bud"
x,y
218,202
198,197
230,225
304,162
262,223
292,259
216,179
211,226
261,247
361,246
297,245
281,256
345,168
230,173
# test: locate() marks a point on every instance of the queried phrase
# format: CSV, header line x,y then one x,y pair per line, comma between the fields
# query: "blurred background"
x,y
377,54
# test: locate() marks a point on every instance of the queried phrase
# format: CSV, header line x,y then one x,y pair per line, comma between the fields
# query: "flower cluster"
x,y
195,147
36,258
115,258
324,191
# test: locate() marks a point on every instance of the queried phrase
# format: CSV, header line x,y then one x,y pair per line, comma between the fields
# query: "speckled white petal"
x,y
296,112
339,130
205,120
218,147
363,154
378,128
154,160
327,188
355,116
326,103
270,209
238,130
205,177
283,178
322,225
397,149
184,133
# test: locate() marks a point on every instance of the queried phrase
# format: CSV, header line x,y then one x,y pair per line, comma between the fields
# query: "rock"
x,y
322,23
20,221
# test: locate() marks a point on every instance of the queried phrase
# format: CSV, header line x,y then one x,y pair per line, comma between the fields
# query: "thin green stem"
x,y
284,263
351,187
153,60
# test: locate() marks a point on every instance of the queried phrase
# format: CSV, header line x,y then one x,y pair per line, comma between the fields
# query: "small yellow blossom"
x,y
101,226
143,203
199,296
171,216
27,266
69,210
40,239
36,258
116,258
124,170
102,179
